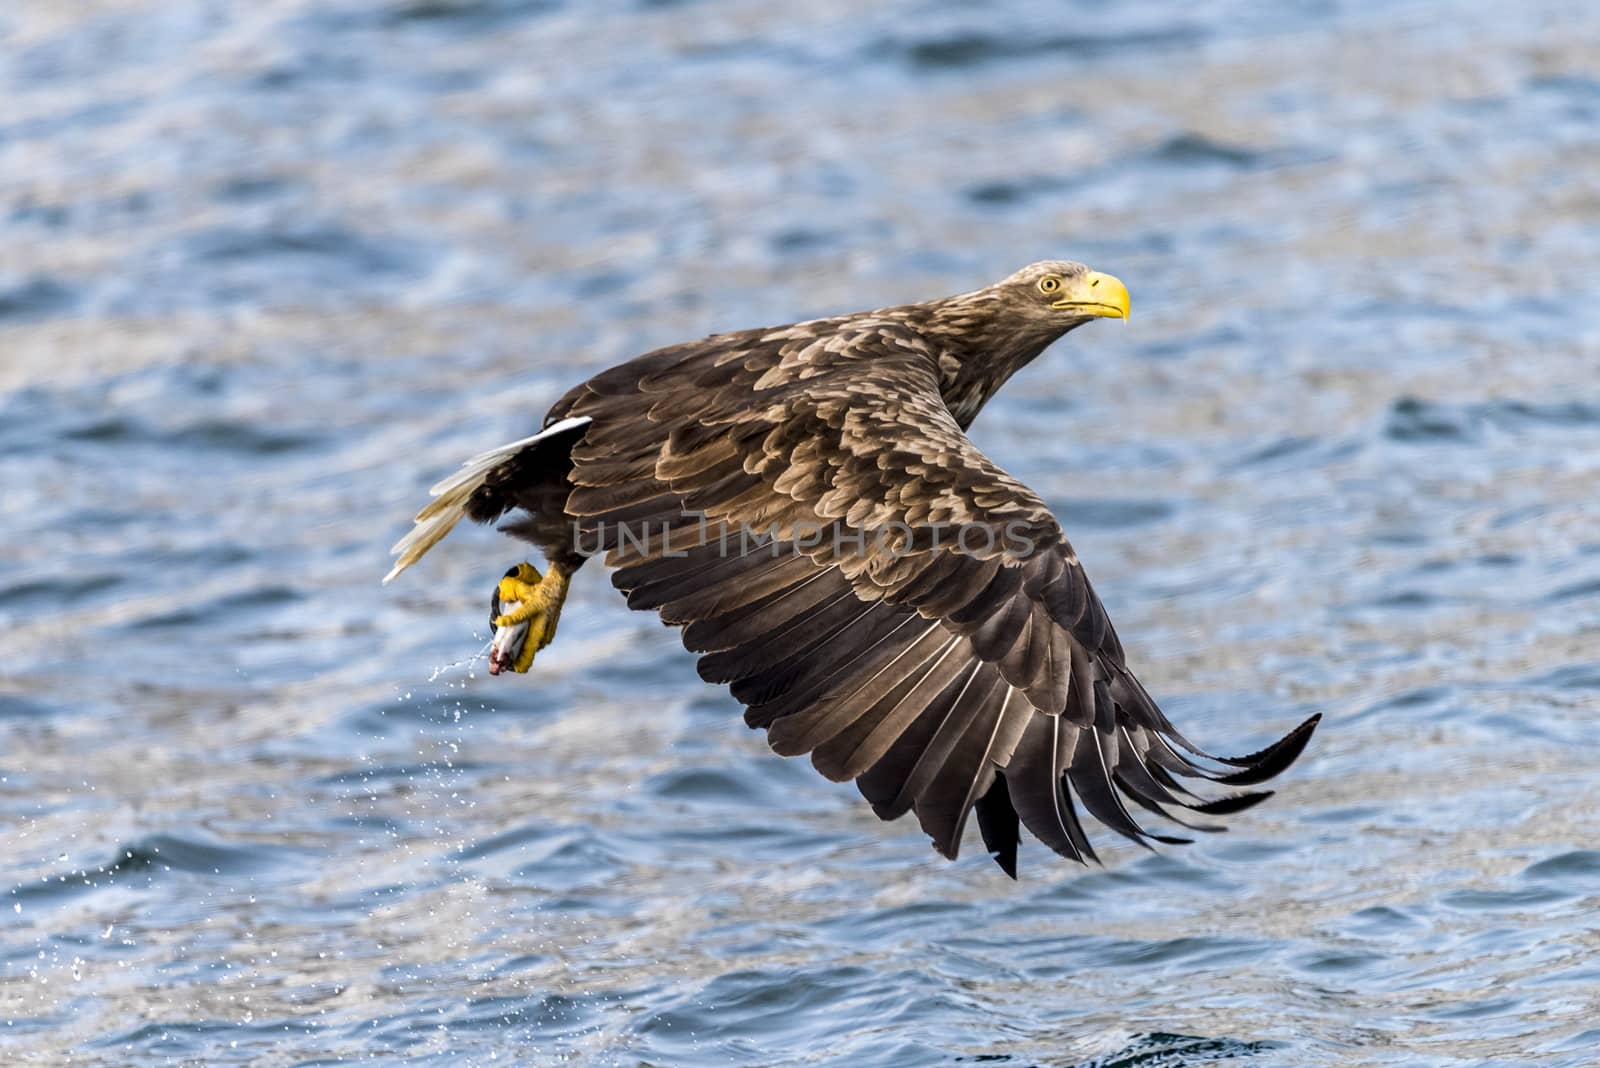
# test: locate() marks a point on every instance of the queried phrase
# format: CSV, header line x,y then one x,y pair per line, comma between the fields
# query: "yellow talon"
x,y
524,611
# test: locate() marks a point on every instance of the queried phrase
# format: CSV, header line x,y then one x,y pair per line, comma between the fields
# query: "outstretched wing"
x,y
877,592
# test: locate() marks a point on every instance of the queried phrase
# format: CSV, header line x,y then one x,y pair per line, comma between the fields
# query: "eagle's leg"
x,y
524,611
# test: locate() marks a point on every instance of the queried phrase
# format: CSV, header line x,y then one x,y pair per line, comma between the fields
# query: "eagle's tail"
x,y
452,495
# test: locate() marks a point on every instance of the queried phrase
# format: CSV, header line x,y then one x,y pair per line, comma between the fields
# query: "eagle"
x,y
804,503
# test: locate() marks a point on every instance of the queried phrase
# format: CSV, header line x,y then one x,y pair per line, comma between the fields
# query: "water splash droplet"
x,y
479,655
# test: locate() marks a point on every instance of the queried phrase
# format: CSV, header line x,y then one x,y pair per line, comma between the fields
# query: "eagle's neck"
x,y
980,347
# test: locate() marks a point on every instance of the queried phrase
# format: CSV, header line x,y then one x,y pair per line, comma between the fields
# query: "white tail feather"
x,y
452,494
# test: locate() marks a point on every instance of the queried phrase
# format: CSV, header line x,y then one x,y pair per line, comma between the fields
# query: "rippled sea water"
x,y
268,270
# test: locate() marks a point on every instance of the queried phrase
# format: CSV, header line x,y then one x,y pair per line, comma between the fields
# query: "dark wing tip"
x,y
998,823
1007,862
1227,806
1263,765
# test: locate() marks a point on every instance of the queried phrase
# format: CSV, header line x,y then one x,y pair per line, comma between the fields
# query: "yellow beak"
x,y
1094,294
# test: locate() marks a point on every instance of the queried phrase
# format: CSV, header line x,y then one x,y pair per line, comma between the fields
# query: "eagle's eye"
x,y
1049,284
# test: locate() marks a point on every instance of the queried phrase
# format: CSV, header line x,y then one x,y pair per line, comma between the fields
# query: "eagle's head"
x,y
990,333
1063,293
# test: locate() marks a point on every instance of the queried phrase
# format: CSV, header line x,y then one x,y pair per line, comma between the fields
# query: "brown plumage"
x,y
911,615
